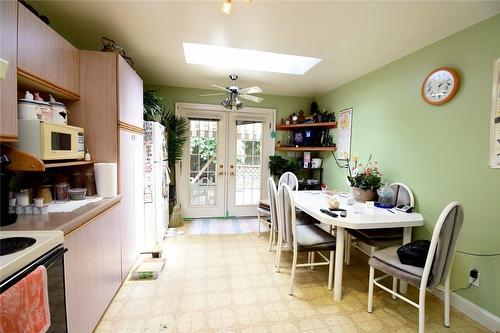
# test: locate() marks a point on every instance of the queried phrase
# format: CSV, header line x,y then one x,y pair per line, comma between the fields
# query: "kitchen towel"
x,y
106,178
25,306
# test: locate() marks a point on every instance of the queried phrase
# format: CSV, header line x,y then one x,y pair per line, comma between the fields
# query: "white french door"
x,y
224,166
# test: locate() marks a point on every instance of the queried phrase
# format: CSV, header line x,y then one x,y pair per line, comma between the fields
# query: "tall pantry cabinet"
x,y
111,111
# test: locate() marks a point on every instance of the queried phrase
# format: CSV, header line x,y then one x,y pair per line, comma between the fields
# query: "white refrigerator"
x,y
156,182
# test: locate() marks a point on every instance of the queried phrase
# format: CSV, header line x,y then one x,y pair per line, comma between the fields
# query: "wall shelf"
x,y
306,148
66,164
326,125
27,81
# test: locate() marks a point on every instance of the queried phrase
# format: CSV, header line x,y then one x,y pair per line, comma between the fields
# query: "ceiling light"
x,y
227,57
226,7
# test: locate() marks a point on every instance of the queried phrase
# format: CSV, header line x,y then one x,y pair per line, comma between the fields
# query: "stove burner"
x,y
14,244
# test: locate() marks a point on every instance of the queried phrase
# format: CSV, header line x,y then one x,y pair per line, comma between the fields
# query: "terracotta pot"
x,y
363,195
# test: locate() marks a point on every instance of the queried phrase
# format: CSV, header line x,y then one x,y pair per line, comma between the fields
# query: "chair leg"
x,y
330,271
278,251
271,237
394,286
348,249
258,224
370,289
294,267
421,311
447,301
312,260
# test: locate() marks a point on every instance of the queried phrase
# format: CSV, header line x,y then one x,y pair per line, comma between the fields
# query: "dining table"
x,y
311,203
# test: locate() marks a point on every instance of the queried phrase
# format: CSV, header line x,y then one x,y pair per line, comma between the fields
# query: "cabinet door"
x,y
130,89
139,191
8,87
92,270
35,43
45,55
128,214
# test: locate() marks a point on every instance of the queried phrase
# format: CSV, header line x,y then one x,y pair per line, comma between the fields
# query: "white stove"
x,y
44,241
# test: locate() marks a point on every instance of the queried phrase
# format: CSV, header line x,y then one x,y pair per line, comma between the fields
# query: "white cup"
x,y
358,208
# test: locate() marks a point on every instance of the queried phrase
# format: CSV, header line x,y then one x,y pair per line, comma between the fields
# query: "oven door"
x,y
60,142
54,263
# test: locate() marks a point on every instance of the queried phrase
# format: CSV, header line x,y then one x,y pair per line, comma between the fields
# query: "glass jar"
x,y
89,183
62,191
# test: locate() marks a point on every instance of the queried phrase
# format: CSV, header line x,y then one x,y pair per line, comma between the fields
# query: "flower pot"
x,y
363,195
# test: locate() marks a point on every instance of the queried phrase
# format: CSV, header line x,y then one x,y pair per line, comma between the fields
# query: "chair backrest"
x,y
273,197
286,215
443,244
402,195
290,179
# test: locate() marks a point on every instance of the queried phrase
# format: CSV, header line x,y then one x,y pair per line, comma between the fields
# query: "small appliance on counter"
x,y
50,141
7,216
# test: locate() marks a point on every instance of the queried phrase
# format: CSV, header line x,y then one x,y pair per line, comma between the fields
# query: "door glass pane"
x,y
202,162
248,167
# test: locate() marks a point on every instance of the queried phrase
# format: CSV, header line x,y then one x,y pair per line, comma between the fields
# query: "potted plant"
x,y
278,165
365,179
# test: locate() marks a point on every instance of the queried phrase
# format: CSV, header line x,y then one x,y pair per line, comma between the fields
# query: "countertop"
x,y
65,222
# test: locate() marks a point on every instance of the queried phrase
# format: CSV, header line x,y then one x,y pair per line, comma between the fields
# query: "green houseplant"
x,y
278,165
153,108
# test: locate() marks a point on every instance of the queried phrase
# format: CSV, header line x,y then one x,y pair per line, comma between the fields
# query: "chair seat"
x,y
378,237
313,238
302,218
387,261
265,203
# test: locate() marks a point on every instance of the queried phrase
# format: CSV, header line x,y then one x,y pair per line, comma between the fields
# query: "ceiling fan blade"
x,y
255,99
220,87
251,90
217,94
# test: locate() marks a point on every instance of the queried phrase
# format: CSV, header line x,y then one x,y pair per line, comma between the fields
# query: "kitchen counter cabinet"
x,y
92,270
44,56
66,222
8,87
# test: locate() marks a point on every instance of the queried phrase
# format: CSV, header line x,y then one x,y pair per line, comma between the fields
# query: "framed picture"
x,y
298,138
344,134
495,118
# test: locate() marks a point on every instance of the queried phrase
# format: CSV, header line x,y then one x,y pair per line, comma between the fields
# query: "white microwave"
x,y
50,141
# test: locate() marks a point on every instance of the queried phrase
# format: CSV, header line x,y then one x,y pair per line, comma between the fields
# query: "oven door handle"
x,y
46,260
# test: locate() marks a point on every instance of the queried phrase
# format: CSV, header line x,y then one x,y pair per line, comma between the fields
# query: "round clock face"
x,y
440,86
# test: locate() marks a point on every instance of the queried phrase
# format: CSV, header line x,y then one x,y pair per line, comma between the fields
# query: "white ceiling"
x,y
352,38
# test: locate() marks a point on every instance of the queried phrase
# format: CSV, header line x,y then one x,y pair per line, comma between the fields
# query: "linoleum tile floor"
x,y
228,283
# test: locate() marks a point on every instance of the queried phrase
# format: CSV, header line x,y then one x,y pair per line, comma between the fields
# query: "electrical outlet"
x,y
474,276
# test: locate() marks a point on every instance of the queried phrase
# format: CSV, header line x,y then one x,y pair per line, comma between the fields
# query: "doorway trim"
x,y
191,109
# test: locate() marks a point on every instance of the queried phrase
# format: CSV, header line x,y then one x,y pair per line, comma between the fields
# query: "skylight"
x,y
220,56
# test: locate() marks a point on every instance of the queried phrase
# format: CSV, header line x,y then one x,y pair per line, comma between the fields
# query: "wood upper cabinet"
x,y
45,56
8,87
130,91
92,269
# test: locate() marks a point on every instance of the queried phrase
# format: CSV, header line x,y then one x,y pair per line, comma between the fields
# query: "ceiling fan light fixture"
x,y
238,104
226,7
227,103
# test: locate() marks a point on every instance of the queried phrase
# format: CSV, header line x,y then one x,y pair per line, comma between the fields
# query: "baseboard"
x,y
483,317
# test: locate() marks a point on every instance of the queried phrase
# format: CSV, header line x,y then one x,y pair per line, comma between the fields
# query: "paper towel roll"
x,y
106,179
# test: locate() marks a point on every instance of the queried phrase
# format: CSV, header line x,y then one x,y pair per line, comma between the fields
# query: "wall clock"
x,y
440,86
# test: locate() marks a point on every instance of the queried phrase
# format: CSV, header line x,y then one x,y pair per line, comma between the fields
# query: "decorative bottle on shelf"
x,y
294,119
87,155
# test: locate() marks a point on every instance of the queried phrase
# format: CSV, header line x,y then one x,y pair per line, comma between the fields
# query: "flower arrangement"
x,y
365,177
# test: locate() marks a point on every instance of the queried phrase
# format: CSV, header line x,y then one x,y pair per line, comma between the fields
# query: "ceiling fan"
x,y
232,101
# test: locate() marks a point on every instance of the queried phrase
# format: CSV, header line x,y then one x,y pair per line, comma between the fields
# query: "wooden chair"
x,y
437,265
301,237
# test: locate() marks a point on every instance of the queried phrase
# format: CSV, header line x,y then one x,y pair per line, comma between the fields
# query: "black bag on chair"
x,y
414,253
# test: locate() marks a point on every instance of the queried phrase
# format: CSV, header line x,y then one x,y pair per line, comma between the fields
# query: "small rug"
x,y
223,226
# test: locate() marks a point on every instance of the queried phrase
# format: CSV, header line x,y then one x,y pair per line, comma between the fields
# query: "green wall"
x,y
440,152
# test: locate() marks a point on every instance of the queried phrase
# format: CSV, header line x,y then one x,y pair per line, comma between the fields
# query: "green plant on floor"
x,y
176,132
153,108
278,165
